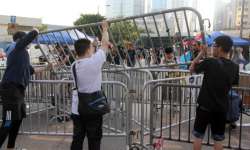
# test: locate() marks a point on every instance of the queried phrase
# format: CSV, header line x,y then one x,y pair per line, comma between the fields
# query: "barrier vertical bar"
x,y
240,136
158,34
167,28
56,52
64,53
189,115
49,48
180,115
136,56
229,133
78,37
116,47
187,25
139,37
68,45
150,39
170,118
178,27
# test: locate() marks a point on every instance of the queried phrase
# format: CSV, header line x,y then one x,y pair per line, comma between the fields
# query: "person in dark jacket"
x,y
12,45
13,85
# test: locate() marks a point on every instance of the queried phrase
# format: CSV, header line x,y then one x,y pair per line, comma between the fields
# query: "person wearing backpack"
x,y
220,74
234,108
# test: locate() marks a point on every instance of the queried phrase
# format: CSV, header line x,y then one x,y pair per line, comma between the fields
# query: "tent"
x,y
208,39
62,37
237,41
240,42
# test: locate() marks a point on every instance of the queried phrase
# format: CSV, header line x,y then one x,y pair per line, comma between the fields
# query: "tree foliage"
x,y
88,18
125,31
42,27
122,32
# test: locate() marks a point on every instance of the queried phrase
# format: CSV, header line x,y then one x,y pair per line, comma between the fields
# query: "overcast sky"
x,y
60,12
65,12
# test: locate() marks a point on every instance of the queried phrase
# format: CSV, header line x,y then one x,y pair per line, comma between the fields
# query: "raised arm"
x,y
197,59
27,39
105,44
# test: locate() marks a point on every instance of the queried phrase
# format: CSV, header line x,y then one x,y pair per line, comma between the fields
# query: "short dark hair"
x,y
225,42
169,50
18,35
81,46
57,46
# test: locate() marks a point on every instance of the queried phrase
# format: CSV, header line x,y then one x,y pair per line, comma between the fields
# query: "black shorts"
x,y
217,121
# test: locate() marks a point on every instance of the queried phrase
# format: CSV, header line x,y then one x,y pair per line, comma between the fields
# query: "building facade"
x,y
11,24
157,5
246,18
228,16
181,18
124,8
224,15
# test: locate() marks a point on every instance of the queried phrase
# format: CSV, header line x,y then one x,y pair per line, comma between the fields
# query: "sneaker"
x,y
233,125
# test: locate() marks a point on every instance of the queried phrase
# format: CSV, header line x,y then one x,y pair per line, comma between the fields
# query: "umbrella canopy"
x,y
240,42
208,39
62,37
237,41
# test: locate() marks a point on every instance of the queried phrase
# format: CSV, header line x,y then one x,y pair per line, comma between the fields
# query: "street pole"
x,y
242,17
106,11
98,9
121,8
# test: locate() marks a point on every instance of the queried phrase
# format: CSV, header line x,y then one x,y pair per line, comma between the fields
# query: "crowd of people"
x,y
139,56
134,56
220,74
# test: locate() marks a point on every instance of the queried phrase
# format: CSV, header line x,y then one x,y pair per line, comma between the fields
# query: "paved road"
x,y
34,142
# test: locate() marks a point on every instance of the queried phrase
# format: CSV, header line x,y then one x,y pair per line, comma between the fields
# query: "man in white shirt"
x,y
88,68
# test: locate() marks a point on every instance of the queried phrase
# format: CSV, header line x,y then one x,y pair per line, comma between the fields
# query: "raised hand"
x,y
105,26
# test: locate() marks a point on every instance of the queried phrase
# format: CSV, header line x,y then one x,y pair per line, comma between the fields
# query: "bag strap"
x,y
74,74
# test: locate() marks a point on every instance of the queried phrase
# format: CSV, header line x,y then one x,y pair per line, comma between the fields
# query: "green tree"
x,y
42,27
125,31
87,19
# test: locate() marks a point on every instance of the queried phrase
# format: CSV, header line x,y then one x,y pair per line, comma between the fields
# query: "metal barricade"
x,y
49,108
143,116
120,76
139,41
169,73
245,82
164,127
44,75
